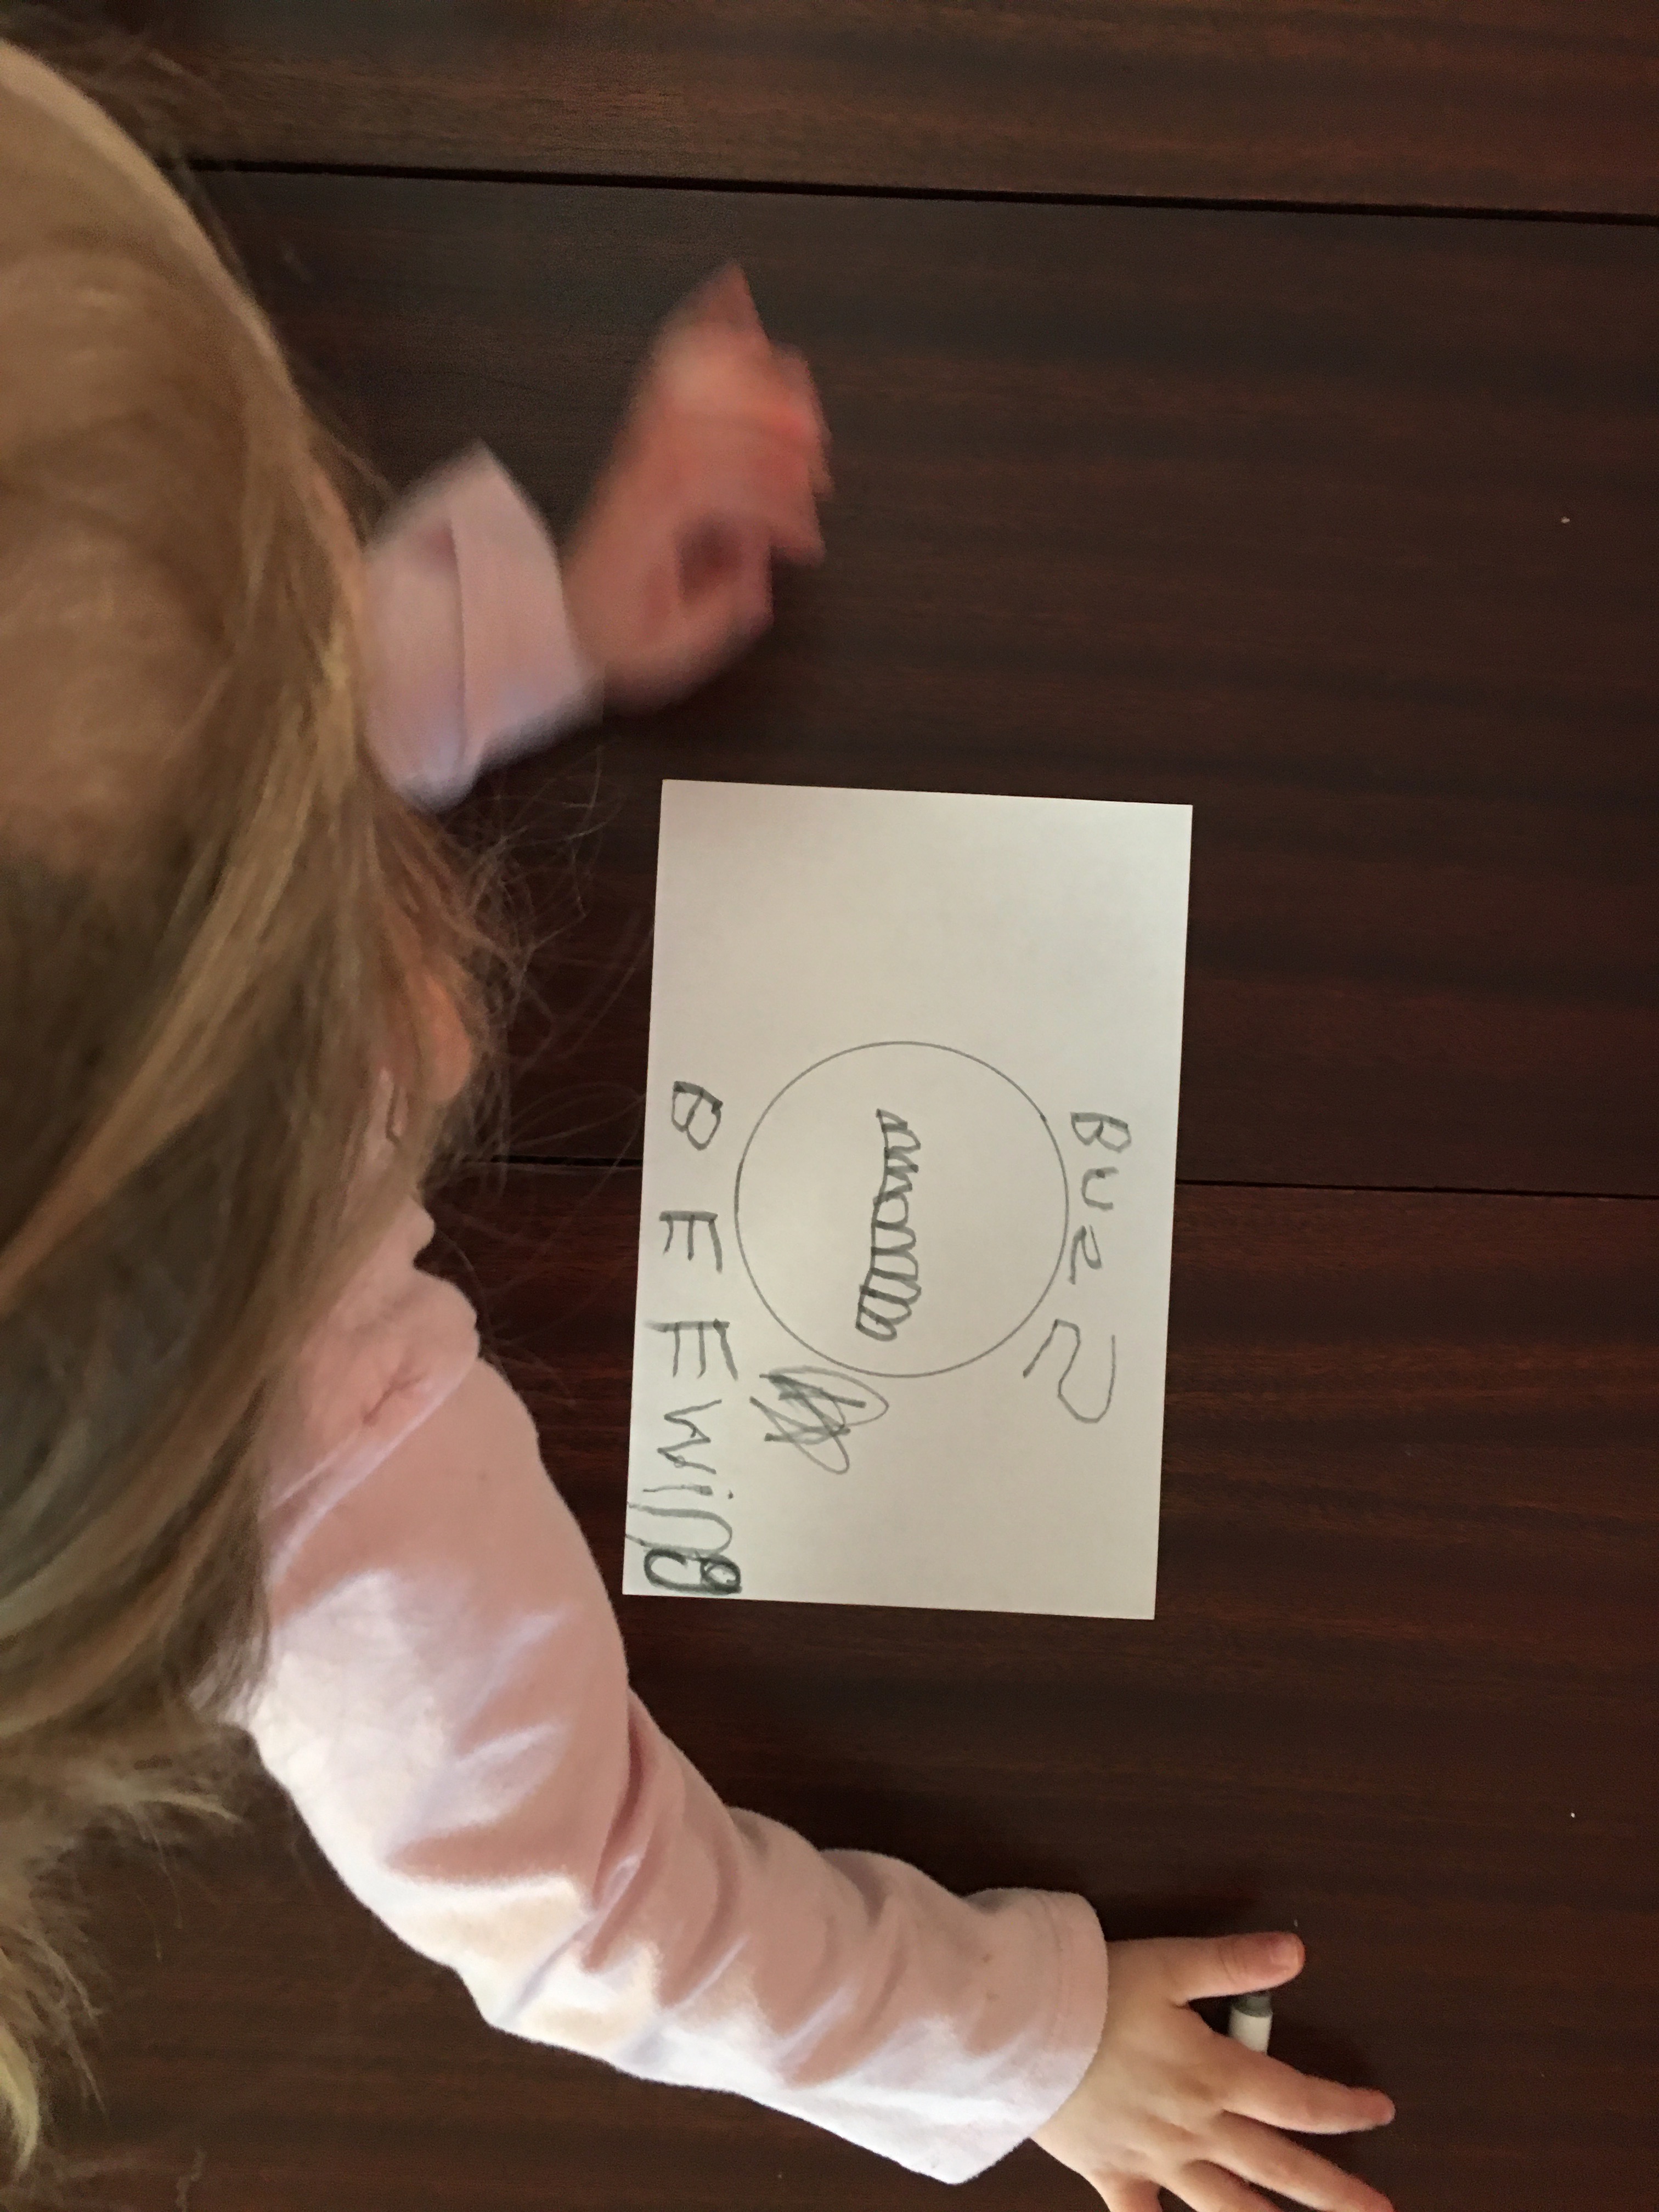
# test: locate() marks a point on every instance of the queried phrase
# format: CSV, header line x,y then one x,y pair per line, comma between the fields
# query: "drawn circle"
x,y
901,1208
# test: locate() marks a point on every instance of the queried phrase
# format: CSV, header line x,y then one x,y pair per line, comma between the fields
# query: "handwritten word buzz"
x,y
1112,1135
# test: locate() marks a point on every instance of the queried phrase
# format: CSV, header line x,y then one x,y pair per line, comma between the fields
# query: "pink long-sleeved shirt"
x,y
447,1700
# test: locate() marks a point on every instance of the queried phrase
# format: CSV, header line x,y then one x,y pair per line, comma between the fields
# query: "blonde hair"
x,y
219,929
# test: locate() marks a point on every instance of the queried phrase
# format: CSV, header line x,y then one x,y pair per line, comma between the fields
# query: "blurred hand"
x,y
1167,2103
718,469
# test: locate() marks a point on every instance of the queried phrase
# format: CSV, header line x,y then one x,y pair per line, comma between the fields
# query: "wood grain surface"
x,y
1488,103
1399,1693
1343,529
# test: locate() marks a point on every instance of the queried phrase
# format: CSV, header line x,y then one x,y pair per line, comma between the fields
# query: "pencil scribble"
x,y
1076,1335
674,1328
892,1282
817,1409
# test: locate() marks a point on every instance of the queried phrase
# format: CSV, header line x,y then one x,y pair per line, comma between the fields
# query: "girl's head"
x,y
220,934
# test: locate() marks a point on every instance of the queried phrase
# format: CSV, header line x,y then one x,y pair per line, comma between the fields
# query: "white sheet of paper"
x,y
909,1178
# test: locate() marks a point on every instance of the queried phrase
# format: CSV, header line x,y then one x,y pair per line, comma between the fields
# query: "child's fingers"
x,y
793,367
679,408
1267,2090
1270,2160
714,371
783,380
788,523
746,482
693,344
1129,2195
720,559
682,451
1229,1966
730,603
1210,2189
691,395
722,301
725,302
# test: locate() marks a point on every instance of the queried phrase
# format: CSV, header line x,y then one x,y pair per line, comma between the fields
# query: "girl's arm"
x,y
472,654
448,1702
480,645
448,1706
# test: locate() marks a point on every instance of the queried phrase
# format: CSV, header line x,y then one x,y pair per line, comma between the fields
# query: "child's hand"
x,y
718,465
1166,2103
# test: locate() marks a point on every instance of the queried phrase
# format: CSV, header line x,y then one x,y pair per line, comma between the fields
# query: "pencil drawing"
x,y
816,1409
892,1282
964,1238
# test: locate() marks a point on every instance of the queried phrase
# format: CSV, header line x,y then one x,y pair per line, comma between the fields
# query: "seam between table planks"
x,y
519,1163
634,180
603,1165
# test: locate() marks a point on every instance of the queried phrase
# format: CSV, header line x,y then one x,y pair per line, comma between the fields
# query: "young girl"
x,y
252,1468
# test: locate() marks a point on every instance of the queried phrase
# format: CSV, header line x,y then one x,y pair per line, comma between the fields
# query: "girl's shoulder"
x,y
396,1343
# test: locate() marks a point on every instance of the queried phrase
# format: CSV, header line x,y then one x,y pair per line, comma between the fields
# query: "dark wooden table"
x,y
1341,524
